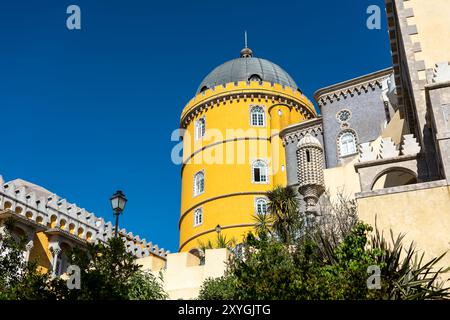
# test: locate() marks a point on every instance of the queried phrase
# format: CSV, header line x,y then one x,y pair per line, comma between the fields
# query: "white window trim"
x,y
253,173
263,113
199,209
197,137
195,194
256,203
338,142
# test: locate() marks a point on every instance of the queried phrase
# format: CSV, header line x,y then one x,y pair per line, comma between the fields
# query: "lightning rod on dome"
x,y
245,39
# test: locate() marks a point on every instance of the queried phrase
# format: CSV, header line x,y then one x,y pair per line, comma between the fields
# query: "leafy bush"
x,y
108,271
329,260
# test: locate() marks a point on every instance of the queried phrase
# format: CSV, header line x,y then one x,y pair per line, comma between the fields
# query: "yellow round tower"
x,y
232,152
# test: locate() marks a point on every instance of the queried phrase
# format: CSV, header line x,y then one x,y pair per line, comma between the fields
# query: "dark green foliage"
x,y
108,271
328,261
20,280
145,286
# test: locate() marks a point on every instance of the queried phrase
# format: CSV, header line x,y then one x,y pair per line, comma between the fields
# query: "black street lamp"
x,y
118,202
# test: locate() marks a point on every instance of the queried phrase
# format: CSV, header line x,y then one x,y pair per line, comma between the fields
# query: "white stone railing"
x,y
369,151
51,209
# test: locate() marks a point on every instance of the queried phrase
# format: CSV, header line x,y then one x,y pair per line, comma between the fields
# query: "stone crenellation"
x,y
44,208
388,149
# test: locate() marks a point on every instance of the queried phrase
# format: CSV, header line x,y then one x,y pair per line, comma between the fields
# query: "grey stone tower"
x,y
310,165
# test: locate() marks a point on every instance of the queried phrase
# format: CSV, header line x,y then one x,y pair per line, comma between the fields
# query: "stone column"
x,y
28,247
55,249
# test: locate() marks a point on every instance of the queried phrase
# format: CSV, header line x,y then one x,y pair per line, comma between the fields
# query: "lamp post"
x,y
218,229
118,201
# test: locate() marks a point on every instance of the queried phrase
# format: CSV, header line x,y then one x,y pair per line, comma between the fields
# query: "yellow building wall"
x,y
40,253
343,180
423,215
433,26
227,162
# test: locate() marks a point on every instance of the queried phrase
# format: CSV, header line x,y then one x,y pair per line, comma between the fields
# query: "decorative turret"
x,y
310,171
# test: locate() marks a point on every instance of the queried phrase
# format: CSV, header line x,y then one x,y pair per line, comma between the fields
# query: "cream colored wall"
x,y
342,180
152,263
395,129
183,275
423,215
433,26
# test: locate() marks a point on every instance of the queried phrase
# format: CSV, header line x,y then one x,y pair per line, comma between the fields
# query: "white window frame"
x,y
257,201
260,116
266,172
196,191
198,217
200,128
344,150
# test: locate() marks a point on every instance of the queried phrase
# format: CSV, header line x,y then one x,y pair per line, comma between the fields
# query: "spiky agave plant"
x,y
404,272
221,242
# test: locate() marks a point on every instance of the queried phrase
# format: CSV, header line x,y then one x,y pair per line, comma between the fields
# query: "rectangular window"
x,y
260,119
254,119
257,174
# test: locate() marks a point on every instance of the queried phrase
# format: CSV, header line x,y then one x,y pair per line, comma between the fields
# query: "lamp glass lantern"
x,y
118,202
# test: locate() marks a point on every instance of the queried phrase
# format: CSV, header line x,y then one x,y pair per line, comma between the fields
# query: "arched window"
x,y
200,128
259,172
198,217
257,117
347,144
255,77
261,206
199,183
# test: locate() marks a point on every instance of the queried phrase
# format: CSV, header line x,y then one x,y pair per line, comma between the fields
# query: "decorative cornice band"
x,y
260,94
227,195
295,132
350,87
242,225
185,162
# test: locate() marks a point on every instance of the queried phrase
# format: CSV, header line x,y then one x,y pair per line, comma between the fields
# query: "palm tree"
x,y
284,217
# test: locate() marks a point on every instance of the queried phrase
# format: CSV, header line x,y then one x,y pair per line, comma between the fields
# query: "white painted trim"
x,y
199,209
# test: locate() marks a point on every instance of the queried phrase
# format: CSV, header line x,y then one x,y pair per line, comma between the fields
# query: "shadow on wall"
x,y
393,178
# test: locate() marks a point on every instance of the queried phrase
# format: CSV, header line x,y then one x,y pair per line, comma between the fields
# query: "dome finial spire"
x,y
245,39
246,52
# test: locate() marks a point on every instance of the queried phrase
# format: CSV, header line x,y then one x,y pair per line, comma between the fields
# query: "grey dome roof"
x,y
241,69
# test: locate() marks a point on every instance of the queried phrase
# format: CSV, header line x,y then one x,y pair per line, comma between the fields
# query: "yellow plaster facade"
x,y
226,152
421,212
433,31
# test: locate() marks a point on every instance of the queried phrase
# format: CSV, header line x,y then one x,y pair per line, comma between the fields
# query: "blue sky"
x,y
90,111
